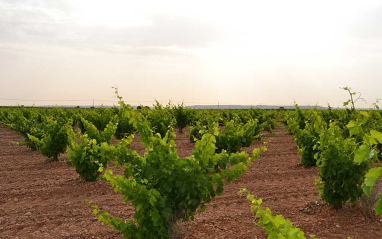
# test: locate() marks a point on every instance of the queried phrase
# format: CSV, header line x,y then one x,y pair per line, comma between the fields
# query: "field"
x,y
40,199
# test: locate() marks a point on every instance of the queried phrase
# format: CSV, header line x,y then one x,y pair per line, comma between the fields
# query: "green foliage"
x,y
340,179
195,132
231,138
181,115
92,154
161,119
124,128
360,123
99,117
251,132
104,136
294,128
300,117
351,101
15,120
308,139
164,188
269,125
33,121
275,226
200,127
234,136
370,178
54,139
308,150
367,152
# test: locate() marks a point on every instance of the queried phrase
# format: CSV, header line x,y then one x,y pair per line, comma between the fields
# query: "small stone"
x,y
28,214
15,200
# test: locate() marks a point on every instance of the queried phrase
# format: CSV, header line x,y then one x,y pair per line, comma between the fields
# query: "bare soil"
x,y
46,200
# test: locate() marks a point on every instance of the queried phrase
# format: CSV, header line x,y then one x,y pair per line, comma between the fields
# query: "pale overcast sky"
x,y
198,52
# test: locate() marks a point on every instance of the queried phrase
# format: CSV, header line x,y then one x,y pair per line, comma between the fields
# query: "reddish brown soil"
x,y
46,200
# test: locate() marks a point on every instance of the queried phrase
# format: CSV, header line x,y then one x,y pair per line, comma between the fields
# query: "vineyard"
x,y
176,172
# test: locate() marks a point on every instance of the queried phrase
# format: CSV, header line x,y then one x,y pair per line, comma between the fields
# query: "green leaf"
x,y
378,208
351,124
202,208
364,113
362,153
152,200
156,218
95,211
219,189
376,135
370,179
138,207
353,127
279,220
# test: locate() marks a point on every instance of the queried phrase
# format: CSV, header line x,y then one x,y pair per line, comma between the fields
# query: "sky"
x,y
71,52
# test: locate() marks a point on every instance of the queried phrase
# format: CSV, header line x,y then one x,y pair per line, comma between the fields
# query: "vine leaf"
x,y
362,153
370,179
376,135
378,208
